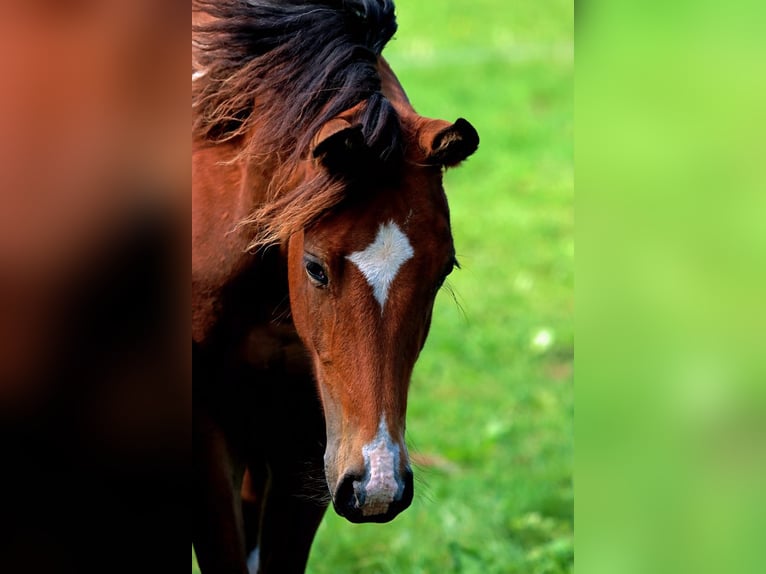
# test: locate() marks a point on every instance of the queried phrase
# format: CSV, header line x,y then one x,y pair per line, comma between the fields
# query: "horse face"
x,y
362,287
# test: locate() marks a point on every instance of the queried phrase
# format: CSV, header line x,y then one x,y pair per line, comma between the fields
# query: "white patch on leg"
x,y
381,260
198,74
381,459
253,561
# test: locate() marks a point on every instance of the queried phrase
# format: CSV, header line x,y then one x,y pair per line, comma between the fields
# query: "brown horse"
x,y
321,236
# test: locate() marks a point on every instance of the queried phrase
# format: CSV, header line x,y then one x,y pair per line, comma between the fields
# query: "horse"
x,y
320,237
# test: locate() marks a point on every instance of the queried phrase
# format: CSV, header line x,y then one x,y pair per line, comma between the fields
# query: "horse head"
x,y
362,282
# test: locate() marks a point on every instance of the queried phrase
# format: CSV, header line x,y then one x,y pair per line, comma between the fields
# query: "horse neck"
x,y
246,178
226,190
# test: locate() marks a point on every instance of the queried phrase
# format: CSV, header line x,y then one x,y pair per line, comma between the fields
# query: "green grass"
x,y
490,412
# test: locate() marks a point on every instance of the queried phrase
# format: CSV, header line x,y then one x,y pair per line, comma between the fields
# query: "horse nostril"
x,y
346,500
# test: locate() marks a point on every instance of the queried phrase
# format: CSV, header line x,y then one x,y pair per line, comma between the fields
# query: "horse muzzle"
x,y
372,497
381,487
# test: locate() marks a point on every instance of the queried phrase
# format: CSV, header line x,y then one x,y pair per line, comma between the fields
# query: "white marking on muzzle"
x,y
381,260
381,460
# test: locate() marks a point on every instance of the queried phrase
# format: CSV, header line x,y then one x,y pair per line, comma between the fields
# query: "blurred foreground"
x,y
94,366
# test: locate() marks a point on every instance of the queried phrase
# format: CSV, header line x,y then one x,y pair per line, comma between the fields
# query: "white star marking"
x,y
380,261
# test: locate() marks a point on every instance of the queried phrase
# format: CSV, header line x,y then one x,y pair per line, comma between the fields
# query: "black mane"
x,y
288,66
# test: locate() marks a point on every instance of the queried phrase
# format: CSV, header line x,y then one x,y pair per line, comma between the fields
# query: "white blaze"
x,y
381,458
381,260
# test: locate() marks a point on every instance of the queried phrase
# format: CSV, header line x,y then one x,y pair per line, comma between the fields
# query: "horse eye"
x,y
316,273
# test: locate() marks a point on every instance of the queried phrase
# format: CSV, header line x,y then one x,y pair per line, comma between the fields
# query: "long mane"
x,y
284,68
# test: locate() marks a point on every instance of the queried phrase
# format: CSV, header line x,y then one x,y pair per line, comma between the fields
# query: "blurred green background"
x,y
490,419
671,277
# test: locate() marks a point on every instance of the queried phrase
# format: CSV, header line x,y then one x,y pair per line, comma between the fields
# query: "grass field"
x,y
491,407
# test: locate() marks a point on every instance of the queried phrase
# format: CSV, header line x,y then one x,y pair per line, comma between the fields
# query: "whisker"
x,y
450,289
314,486
282,311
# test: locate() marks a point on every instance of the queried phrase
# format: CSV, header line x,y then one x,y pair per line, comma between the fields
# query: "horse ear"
x,y
338,143
448,144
